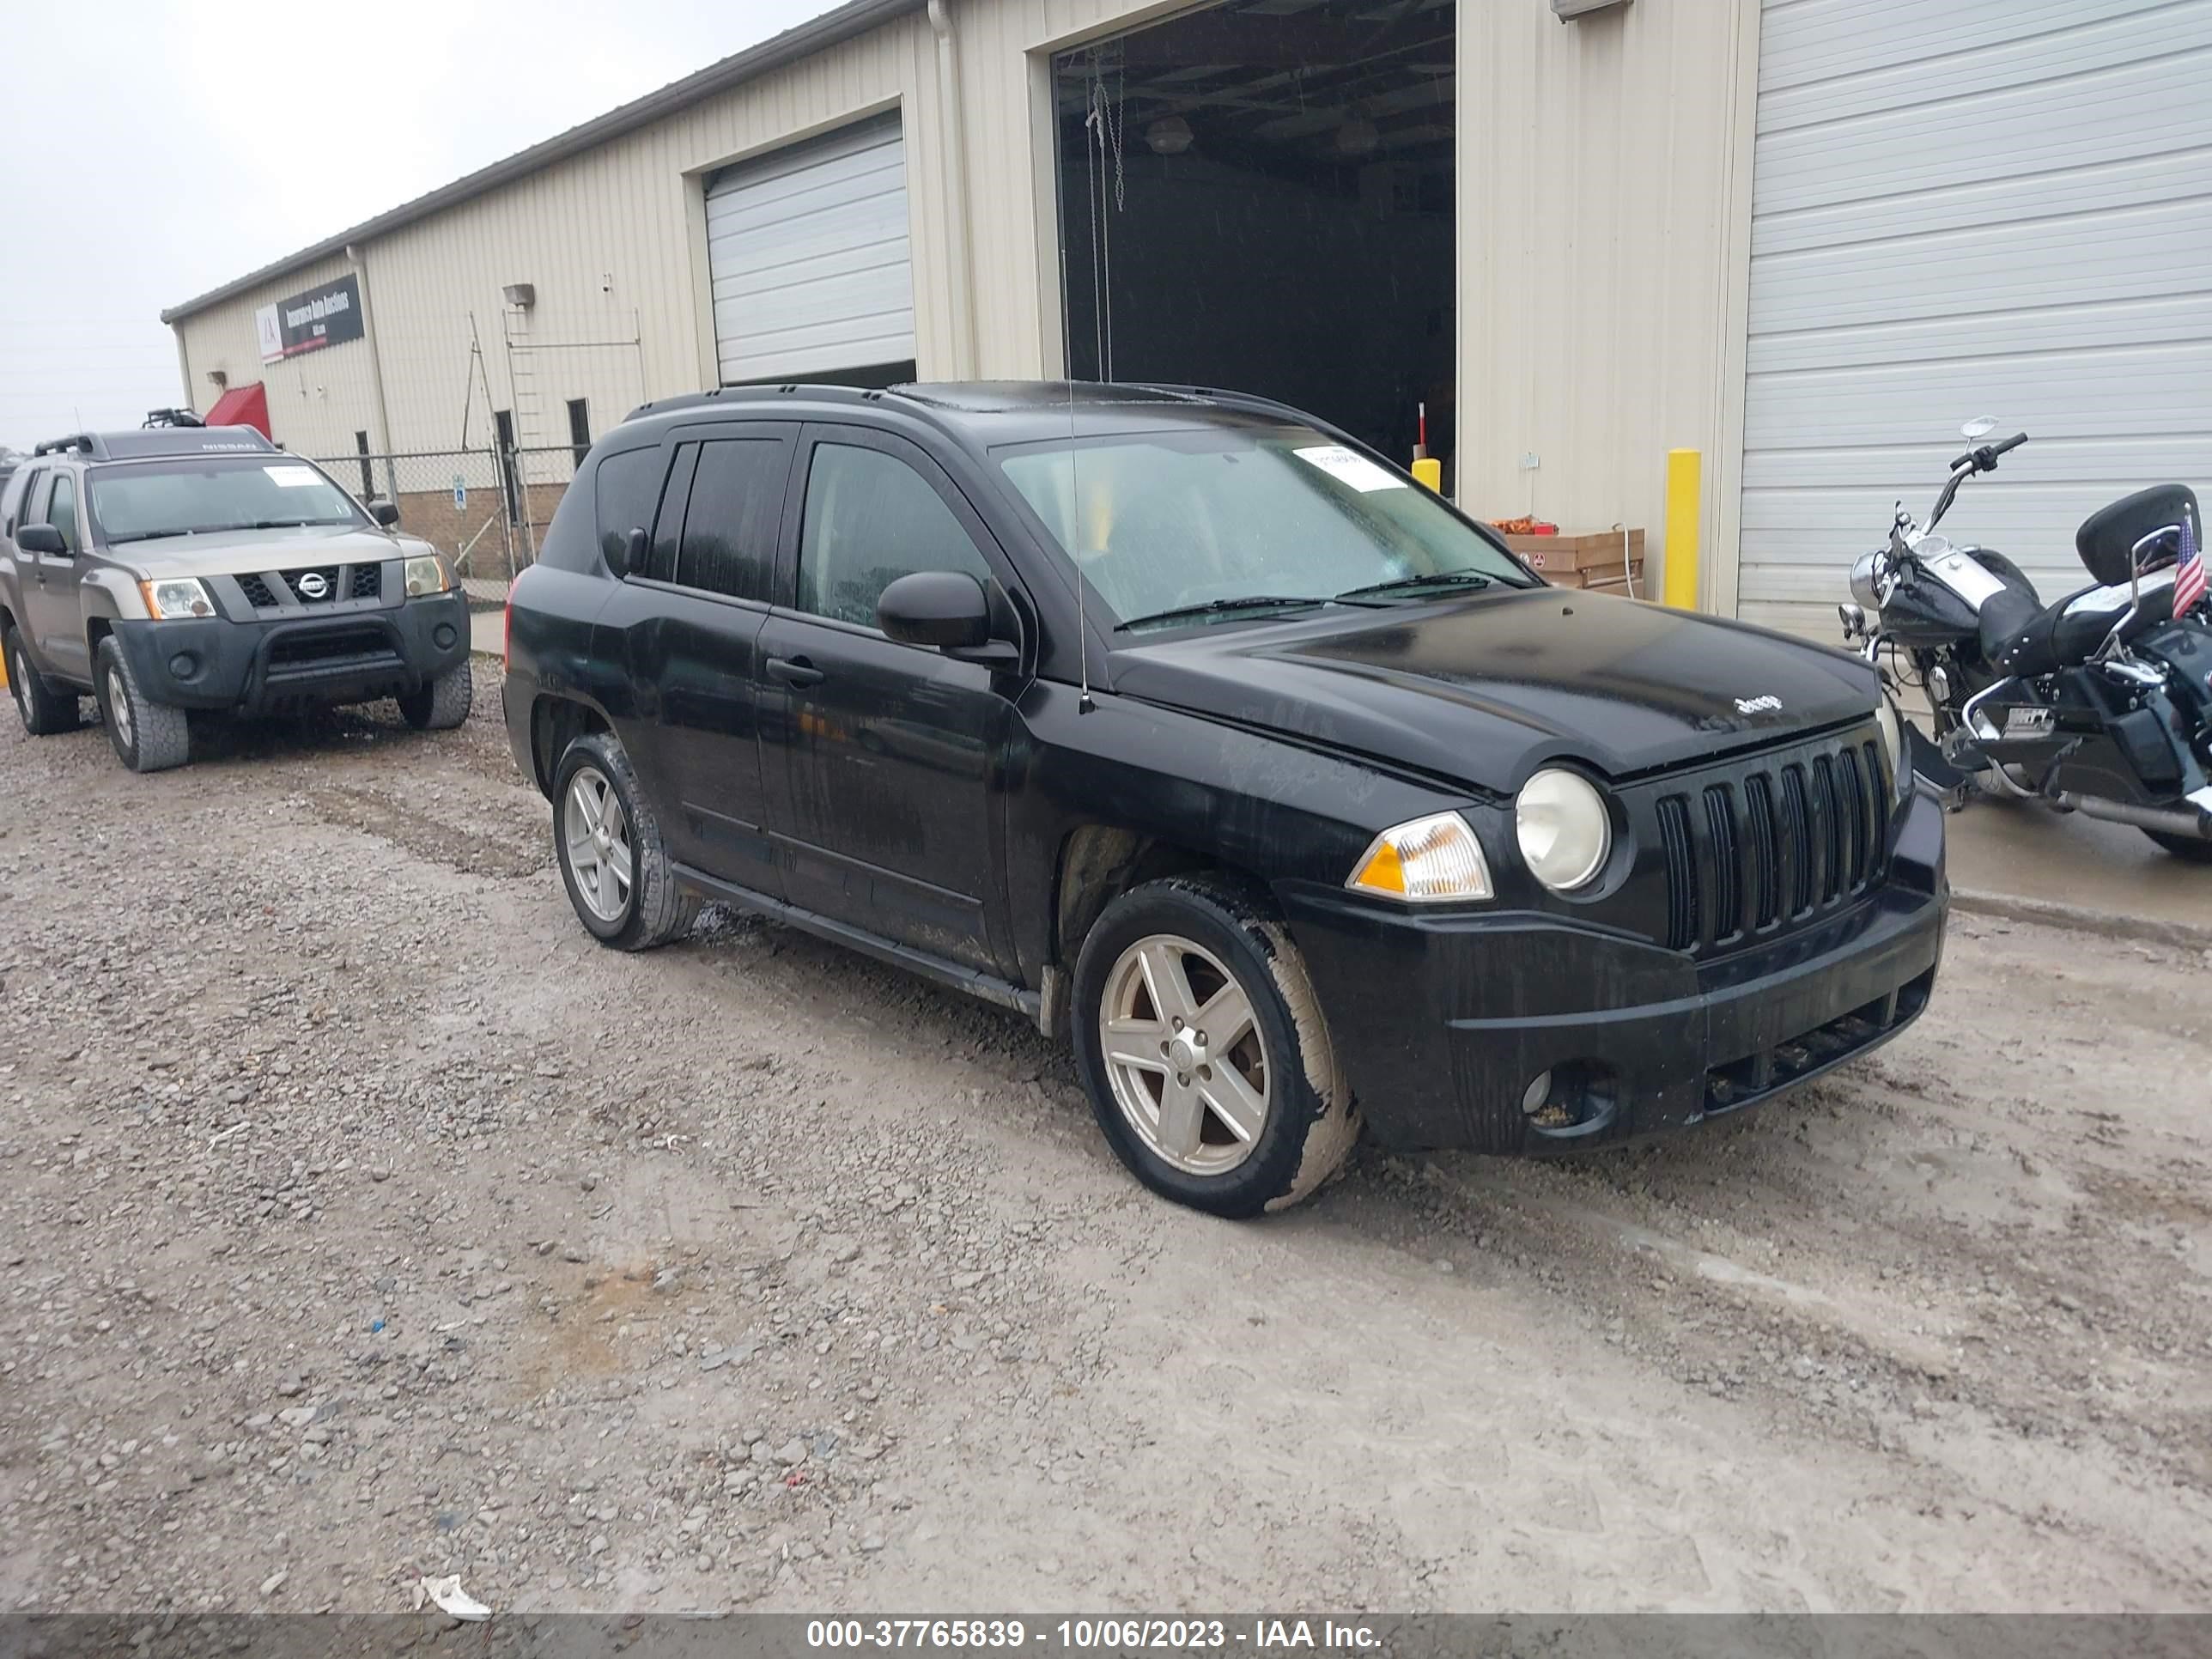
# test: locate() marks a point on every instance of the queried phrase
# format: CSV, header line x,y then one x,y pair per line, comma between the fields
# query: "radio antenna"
x,y
1093,152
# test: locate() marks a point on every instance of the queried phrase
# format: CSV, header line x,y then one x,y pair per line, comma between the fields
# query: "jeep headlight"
x,y
1892,726
1429,860
1564,829
173,597
426,574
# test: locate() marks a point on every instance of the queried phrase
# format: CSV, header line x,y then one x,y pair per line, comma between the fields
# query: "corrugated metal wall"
x,y
1603,202
1967,207
1602,215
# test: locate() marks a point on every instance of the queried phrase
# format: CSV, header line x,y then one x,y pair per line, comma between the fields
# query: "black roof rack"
x,y
78,443
753,394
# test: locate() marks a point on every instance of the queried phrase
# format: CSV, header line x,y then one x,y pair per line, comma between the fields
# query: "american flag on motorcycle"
x,y
2188,577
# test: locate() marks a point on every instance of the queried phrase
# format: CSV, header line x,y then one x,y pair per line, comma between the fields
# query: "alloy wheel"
x,y
595,832
118,708
1184,1055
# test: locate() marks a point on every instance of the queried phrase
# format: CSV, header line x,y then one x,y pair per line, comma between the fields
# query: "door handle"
x,y
795,671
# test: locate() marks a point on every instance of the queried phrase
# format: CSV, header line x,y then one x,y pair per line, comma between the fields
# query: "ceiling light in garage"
x,y
1358,137
1168,135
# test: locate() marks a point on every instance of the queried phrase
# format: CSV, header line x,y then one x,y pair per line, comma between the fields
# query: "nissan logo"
x,y
313,585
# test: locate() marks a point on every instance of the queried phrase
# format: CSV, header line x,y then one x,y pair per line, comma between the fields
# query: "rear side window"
x,y
625,488
729,528
19,505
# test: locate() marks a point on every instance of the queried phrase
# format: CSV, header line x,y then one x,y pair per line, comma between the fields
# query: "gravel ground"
x,y
360,1218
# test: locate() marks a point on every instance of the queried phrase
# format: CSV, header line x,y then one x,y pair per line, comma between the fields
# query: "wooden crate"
x,y
1608,577
1553,555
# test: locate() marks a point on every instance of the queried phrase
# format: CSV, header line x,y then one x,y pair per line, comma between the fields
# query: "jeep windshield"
x,y
198,494
1219,524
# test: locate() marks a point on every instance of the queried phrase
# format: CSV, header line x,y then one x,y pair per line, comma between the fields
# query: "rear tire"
x,y
2188,848
443,704
148,736
1244,1114
45,707
602,829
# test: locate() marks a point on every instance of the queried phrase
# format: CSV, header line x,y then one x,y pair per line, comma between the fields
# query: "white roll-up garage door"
x,y
1968,207
808,251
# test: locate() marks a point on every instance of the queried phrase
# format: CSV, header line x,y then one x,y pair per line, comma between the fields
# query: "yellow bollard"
x,y
1431,471
1683,487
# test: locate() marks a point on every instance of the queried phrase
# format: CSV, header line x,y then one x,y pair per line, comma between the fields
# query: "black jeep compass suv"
x,y
1186,726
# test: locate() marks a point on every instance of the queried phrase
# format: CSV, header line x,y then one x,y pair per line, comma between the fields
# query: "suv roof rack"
x,y
78,443
753,394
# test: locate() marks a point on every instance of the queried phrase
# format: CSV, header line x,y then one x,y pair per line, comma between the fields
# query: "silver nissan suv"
x,y
186,568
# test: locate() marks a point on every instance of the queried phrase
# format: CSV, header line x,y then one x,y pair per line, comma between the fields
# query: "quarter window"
x,y
870,520
729,528
624,490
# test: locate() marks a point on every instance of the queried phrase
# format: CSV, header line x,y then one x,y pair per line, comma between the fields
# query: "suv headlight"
x,y
1891,724
426,574
1429,860
173,597
1564,829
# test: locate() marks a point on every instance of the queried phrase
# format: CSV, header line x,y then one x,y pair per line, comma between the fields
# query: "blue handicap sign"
x,y
460,493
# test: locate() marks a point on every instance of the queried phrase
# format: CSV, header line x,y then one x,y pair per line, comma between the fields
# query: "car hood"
x,y
236,552
1487,688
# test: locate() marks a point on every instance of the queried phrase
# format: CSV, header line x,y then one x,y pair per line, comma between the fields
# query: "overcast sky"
x,y
166,146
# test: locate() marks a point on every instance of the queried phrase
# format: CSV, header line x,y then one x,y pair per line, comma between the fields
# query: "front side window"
x,y
870,520
1204,515
194,496
61,510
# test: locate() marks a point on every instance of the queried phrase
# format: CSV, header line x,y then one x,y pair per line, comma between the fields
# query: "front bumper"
x,y
276,667
1442,1021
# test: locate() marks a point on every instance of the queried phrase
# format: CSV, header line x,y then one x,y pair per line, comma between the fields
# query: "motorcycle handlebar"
x,y
1983,459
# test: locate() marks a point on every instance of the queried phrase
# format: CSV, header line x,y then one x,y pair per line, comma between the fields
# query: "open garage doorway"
x,y
1259,196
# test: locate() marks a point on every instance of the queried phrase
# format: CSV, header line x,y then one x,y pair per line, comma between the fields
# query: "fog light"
x,y
445,636
1532,1098
184,666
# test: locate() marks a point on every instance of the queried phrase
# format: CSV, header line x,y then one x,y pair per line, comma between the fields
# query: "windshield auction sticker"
x,y
292,478
1346,467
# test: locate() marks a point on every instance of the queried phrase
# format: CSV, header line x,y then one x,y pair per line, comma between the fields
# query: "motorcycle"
x,y
2100,702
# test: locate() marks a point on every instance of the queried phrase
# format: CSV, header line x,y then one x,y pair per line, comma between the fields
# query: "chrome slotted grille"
x,y
1769,844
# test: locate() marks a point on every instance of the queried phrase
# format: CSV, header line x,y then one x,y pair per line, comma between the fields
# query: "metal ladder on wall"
x,y
523,391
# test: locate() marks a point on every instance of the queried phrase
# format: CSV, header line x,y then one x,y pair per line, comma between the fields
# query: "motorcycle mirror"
x,y
1980,427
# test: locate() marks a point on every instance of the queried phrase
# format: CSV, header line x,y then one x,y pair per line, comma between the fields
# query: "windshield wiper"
x,y
284,524
1248,602
1444,579
148,536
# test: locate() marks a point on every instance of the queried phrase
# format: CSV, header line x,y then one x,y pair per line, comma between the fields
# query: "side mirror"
x,y
385,513
947,611
41,538
626,553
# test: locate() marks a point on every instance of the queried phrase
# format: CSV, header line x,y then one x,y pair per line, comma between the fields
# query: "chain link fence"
x,y
486,510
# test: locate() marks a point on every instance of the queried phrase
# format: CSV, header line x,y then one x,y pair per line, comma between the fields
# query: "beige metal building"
x,y
1805,238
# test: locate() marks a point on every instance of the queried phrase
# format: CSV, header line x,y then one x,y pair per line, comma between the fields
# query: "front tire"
x,y
1202,1047
146,736
45,707
443,704
2190,849
608,844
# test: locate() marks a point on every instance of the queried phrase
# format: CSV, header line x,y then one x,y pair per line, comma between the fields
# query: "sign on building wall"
x,y
324,316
